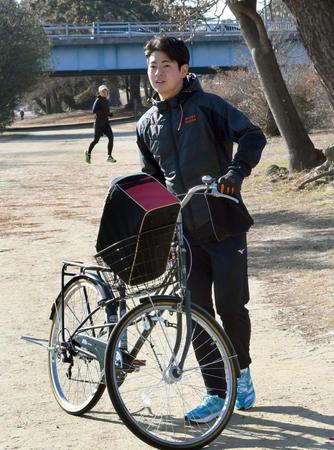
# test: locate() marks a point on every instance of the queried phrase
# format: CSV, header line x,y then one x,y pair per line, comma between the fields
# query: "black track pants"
x,y
222,265
99,131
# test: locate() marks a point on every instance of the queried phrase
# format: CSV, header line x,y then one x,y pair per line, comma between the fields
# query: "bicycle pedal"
x,y
139,362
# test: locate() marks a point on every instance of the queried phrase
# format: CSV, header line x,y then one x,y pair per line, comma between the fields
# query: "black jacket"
x,y
191,135
101,109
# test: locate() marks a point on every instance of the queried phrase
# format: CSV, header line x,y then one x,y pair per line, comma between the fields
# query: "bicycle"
x,y
140,338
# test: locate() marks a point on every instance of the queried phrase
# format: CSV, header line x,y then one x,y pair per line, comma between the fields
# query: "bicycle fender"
x,y
229,344
102,286
159,297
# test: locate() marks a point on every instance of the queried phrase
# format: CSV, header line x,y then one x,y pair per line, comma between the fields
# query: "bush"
x,y
242,88
309,97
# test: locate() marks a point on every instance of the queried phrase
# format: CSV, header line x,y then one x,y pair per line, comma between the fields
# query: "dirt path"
x,y
51,204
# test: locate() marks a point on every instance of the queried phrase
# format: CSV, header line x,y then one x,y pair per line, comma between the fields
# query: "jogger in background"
x,y
102,125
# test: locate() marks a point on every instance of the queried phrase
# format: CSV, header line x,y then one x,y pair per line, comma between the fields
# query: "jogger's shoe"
x,y
88,157
208,410
245,391
111,159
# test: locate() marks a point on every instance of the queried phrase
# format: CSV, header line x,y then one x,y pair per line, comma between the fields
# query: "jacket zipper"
x,y
178,159
181,119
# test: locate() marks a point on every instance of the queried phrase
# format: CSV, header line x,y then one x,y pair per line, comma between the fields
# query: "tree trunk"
x,y
147,89
315,24
114,97
69,101
47,103
40,104
302,154
52,102
55,102
127,89
134,91
270,127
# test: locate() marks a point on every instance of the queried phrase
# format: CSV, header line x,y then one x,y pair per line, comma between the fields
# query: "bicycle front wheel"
x,y
153,398
76,378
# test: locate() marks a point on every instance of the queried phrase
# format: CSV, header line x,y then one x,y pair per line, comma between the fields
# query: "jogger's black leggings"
x,y
222,265
100,131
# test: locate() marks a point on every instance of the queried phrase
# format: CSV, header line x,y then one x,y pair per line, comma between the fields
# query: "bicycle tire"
x,y
148,403
77,384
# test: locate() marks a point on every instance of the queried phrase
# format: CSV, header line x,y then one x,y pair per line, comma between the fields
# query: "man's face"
x,y
165,76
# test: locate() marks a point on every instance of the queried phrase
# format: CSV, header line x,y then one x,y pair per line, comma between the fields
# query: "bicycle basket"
x,y
135,204
142,258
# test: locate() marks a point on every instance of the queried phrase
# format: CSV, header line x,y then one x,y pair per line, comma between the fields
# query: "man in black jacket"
x,y
102,125
186,134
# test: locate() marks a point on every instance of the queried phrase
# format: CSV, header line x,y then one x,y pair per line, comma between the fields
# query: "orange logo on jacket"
x,y
190,119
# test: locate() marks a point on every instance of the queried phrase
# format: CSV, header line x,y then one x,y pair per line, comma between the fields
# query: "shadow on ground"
x,y
278,431
275,249
65,136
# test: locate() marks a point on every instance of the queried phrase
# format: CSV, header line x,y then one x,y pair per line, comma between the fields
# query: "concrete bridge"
x,y
117,48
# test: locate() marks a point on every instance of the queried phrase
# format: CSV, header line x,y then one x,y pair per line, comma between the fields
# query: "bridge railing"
x,y
281,26
147,29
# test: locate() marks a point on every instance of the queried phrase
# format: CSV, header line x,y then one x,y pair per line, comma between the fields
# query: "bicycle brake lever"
x,y
215,193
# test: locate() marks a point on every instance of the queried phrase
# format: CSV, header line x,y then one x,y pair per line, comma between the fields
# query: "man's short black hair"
x,y
175,49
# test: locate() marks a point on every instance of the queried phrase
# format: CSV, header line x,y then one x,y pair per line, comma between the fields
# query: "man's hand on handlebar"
x,y
230,183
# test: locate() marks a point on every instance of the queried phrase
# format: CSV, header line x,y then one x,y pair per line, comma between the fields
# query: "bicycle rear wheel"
x,y
151,401
76,379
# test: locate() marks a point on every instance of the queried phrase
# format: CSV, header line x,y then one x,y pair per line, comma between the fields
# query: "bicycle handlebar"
x,y
210,186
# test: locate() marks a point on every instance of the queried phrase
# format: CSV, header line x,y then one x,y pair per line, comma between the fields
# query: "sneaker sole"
x,y
204,420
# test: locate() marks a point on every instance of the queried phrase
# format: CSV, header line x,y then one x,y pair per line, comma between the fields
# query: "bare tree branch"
x,y
321,175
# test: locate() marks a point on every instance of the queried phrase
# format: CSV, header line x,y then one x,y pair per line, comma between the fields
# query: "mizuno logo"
x,y
241,251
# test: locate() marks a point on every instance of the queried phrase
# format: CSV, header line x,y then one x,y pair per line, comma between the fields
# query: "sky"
x,y
227,13
220,5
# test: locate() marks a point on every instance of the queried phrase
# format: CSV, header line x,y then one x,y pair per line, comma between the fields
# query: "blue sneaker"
x,y
208,410
245,391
